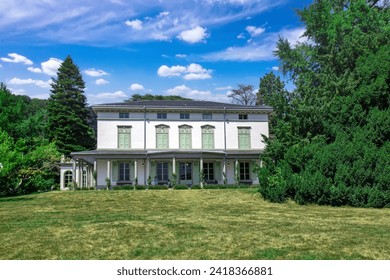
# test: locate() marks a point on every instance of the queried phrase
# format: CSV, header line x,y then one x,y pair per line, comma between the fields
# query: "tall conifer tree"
x,y
67,111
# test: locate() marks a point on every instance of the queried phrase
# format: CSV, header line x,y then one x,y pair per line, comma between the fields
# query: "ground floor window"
x,y
185,171
208,171
124,171
162,171
84,181
244,171
68,177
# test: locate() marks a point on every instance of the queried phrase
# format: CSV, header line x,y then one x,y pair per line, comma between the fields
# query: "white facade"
x,y
129,149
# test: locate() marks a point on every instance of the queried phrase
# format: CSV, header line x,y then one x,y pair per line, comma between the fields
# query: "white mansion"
x,y
141,141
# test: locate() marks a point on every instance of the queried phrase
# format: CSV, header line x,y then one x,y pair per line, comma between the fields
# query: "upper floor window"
x,y
207,116
185,137
124,137
161,115
123,115
208,137
162,137
184,116
243,116
244,138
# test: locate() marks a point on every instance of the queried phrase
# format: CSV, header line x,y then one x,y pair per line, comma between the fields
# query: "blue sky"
x,y
199,49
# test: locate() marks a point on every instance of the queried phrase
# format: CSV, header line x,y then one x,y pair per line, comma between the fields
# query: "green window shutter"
x,y
162,141
208,141
124,137
185,140
182,141
115,171
165,141
244,138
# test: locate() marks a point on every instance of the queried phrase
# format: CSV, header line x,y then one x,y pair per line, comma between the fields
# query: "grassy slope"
x,y
188,224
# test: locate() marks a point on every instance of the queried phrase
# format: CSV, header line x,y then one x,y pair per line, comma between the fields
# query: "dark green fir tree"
x,y
67,111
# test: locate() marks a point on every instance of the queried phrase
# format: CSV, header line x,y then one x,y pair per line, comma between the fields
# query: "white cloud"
x,y
262,50
179,55
134,24
17,91
101,82
51,66
191,72
96,22
29,81
137,87
95,73
224,88
111,95
165,71
195,35
275,68
241,36
34,70
1,66
254,31
185,91
17,58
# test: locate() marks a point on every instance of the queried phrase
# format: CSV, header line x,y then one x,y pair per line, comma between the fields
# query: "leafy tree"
x,y
243,95
67,111
139,97
331,134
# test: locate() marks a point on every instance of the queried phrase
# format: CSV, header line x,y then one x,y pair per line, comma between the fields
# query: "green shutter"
x,y
217,171
208,141
115,171
244,140
182,144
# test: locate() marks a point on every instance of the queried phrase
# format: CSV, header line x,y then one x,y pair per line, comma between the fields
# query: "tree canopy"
x,y
139,97
67,111
243,95
331,134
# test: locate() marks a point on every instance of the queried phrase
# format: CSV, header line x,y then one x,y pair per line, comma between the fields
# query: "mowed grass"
x,y
188,224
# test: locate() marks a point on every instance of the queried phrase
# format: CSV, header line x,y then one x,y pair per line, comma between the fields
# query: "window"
x,y
162,137
124,171
184,116
208,171
244,171
161,115
68,177
162,171
124,137
243,116
244,138
185,171
185,137
207,116
208,137
123,115
84,181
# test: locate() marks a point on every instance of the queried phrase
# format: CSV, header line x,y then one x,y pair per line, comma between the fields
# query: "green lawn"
x,y
187,224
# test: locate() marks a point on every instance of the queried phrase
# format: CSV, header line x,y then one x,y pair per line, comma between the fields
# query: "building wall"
x,y
108,130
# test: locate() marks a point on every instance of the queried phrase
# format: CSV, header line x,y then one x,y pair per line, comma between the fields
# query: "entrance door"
x,y
185,173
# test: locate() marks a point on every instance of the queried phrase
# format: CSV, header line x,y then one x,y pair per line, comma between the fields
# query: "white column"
x,y
135,170
200,172
109,169
74,171
147,167
224,170
174,165
94,170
